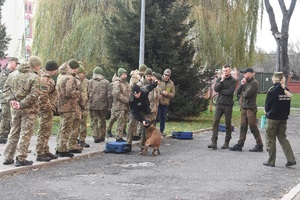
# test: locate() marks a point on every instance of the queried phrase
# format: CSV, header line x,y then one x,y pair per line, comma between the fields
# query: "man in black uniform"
x,y
139,109
277,108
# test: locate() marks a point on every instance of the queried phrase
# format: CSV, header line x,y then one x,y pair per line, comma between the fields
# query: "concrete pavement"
x,y
95,149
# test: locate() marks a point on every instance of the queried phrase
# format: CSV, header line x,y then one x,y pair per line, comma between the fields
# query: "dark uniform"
x,y
248,107
224,106
277,108
139,109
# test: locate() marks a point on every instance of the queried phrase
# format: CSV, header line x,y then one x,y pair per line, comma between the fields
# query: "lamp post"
x,y
278,37
142,34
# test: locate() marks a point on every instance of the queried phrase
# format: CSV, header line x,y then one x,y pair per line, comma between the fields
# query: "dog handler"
x,y
139,110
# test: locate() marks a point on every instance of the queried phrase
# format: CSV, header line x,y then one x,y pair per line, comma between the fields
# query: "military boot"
x,y
257,148
213,145
225,145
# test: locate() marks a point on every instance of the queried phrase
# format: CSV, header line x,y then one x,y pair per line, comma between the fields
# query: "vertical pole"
x,y
278,56
142,34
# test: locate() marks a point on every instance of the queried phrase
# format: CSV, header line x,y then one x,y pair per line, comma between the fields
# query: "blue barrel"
x,y
263,122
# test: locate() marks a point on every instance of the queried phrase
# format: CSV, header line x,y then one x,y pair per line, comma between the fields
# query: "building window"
x,y
28,52
28,27
28,7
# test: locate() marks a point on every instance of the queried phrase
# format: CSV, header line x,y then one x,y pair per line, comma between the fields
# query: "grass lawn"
x,y
205,120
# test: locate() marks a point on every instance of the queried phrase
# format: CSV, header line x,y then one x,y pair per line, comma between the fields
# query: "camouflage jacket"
x,y
154,97
99,93
83,102
48,97
67,89
3,76
23,85
120,93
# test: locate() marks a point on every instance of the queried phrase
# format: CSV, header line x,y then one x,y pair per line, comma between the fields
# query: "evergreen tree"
x,y
168,44
4,39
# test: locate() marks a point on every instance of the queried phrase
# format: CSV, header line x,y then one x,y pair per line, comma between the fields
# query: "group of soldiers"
x,y
29,92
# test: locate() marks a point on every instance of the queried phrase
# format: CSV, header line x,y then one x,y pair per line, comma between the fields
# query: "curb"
x,y
25,169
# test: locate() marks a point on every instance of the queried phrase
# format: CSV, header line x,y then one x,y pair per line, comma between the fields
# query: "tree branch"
x,y
272,19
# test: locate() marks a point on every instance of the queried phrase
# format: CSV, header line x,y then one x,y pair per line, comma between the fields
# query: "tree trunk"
x,y
284,36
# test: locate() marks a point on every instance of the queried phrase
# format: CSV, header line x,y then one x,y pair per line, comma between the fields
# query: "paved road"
x,y
186,169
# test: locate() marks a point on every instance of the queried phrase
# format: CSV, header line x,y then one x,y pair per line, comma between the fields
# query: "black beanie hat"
x,y
136,89
51,66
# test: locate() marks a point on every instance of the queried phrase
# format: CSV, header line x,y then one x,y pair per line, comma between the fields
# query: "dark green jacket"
x,y
248,93
225,91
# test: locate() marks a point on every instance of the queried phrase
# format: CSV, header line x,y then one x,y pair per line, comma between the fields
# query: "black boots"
x,y
257,148
236,147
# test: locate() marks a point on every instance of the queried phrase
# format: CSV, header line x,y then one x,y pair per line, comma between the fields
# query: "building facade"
x,y
17,16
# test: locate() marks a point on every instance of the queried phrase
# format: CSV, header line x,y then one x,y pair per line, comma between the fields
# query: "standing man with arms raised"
x,y
168,92
5,115
277,108
248,92
225,86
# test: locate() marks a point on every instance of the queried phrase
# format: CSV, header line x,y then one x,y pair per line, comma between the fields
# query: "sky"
x,y
265,39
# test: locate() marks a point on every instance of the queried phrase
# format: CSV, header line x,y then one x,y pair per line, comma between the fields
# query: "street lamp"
x,y
278,37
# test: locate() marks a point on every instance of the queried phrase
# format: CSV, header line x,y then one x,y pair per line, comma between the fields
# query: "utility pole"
x,y
142,34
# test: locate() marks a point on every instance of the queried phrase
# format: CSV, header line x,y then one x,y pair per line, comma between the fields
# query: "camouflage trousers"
x,y
248,117
98,118
44,132
5,121
18,141
122,117
112,120
83,126
65,129
132,125
73,143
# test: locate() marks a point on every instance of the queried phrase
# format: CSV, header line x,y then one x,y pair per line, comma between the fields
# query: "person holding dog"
x,y
277,109
139,110
225,86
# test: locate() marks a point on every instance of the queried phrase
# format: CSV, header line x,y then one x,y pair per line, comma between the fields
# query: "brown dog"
x,y
153,139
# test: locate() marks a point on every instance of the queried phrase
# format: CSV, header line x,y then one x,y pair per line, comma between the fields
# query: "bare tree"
x,y
281,37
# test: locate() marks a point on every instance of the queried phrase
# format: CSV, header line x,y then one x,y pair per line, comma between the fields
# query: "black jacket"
x,y
225,91
141,106
277,105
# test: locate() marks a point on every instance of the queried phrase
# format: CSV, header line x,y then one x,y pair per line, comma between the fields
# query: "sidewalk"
x,y
94,149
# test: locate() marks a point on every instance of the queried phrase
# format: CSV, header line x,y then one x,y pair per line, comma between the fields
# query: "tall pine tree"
x,y
168,44
4,39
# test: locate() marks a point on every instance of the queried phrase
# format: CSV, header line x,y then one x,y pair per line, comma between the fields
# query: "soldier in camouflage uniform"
x,y
72,144
22,90
68,95
84,84
120,107
154,97
99,103
47,106
5,115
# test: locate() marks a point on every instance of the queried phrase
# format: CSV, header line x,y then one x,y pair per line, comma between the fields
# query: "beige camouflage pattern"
x,y
154,96
68,107
98,123
120,93
72,144
5,121
66,126
100,96
83,126
23,85
100,100
5,116
47,106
